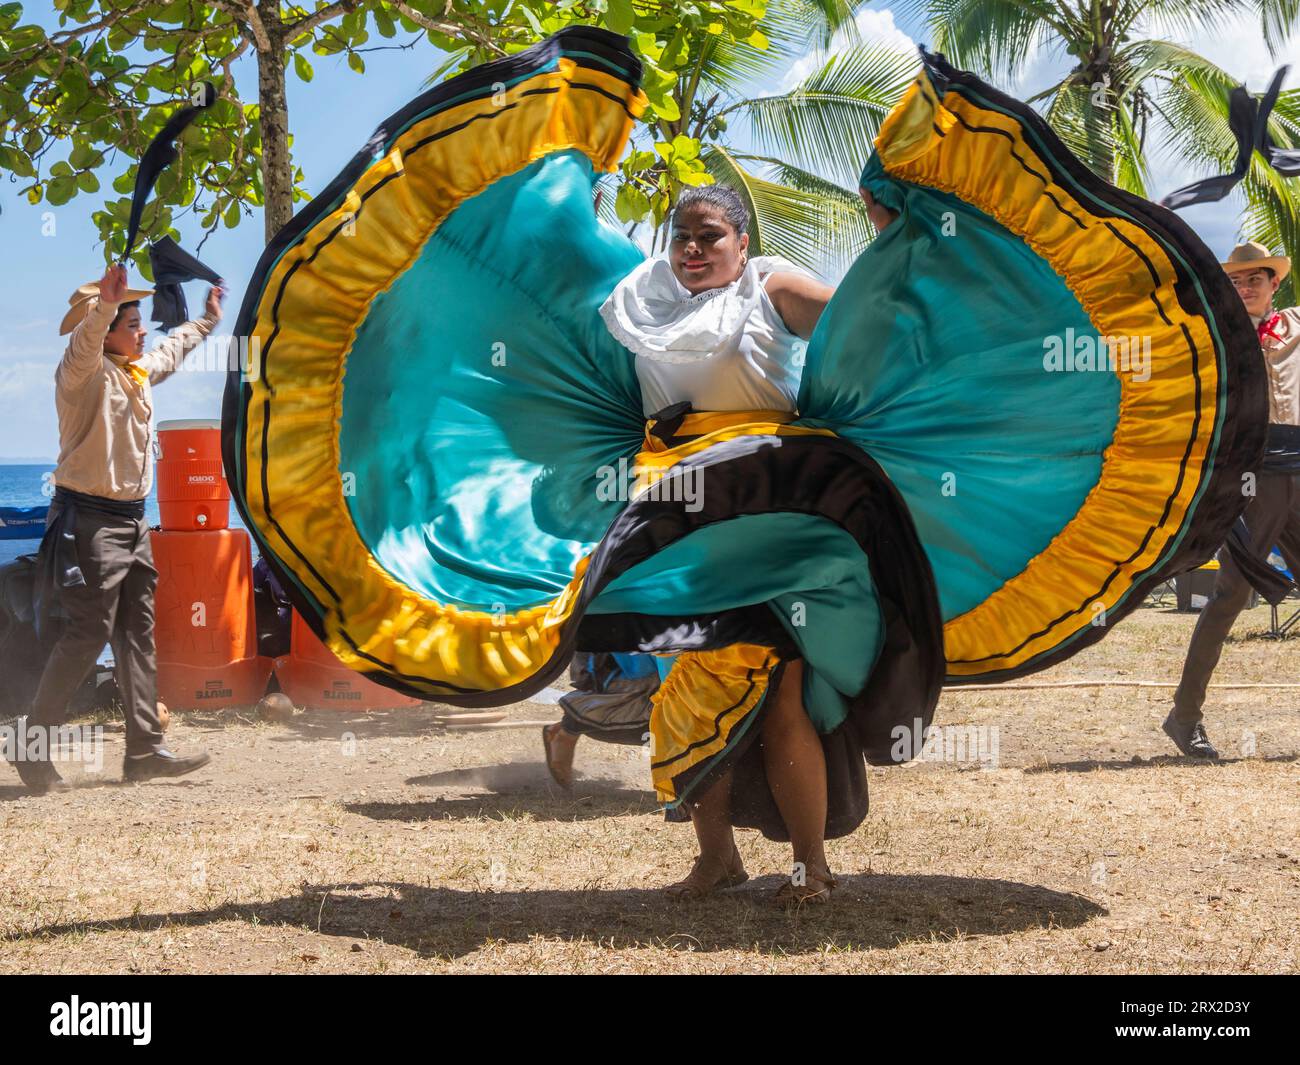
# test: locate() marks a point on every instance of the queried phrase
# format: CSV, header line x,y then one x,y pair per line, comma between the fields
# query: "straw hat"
x,y
1254,256
79,303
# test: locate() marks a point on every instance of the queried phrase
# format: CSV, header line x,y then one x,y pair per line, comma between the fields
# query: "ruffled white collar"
x,y
654,315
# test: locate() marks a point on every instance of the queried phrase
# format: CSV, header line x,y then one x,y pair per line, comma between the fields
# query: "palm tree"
x,y
1128,88
793,156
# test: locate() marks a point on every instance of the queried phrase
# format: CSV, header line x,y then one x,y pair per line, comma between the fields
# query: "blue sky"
x,y
331,117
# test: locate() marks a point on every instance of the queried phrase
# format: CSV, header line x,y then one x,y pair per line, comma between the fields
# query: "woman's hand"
x,y
879,215
112,286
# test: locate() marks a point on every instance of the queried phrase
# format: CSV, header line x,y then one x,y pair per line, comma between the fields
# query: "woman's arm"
x,y
799,300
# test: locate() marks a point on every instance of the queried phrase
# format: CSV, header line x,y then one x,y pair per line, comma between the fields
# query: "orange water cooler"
x,y
192,490
205,623
313,677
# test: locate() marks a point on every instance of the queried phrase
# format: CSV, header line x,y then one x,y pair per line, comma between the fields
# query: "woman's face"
x,y
706,251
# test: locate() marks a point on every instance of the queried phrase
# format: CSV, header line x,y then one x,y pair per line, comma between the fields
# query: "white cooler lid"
x,y
190,423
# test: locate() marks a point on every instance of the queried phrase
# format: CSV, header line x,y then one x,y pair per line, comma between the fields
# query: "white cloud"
x,y
876,27
1241,50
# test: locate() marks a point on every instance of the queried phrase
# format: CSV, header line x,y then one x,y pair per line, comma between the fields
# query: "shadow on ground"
x,y
517,790
869,912
1138,762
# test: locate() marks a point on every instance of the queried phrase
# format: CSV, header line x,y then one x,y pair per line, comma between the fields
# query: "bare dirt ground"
x,y
383,843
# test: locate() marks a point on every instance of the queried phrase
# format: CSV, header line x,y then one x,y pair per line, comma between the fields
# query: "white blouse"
x,y
721,349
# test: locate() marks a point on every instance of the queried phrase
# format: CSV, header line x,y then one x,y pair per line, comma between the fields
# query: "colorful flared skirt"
x,y
1032,399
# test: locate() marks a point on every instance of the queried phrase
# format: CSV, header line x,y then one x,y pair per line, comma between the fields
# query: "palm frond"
x,y
793,28
1278,20
828,122
1272,217
846,229
1185,18
996,37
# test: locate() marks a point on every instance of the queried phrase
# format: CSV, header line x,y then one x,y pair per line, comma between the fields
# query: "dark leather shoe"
x,y
162,764
1190,739
40,777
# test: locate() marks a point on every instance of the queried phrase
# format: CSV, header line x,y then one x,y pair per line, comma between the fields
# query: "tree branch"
x,y
451,29
324,14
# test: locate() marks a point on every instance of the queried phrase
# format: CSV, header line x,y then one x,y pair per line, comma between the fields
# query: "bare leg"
x,y
796,773
719,864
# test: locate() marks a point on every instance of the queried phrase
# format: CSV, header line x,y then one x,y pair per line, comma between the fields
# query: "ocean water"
x,y
26,486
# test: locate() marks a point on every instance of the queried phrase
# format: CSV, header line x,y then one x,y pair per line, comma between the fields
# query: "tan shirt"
x,y
104,417
1282,359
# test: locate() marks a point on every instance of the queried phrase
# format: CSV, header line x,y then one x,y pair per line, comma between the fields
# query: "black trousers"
x,y
115,607
1273,518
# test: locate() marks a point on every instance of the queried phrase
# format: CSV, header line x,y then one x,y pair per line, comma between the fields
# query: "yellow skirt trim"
x,y
324,285
700,707
1100,262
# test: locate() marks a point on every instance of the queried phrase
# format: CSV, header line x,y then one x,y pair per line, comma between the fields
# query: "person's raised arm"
x,y
85,350
167,357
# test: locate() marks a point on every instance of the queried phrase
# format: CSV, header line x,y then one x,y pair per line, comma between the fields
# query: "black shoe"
x,y
40,777
161,764
1190,739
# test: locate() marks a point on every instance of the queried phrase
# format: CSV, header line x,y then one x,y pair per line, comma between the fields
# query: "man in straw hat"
x,y
96,558
1273,516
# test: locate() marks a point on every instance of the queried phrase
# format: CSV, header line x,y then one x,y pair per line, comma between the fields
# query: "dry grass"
x,y
1092,848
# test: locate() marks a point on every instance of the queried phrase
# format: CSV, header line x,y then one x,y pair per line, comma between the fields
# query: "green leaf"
x,y
301,67
60,169
87,182
83,156
675,52
61,190
648,45
639,160
619,16
685,147
532,20
695,177
666,108
17,162
231,217
356,63
632,204
384,23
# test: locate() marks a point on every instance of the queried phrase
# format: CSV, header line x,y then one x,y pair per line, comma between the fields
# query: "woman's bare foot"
x,y
814,887
560,746
708,875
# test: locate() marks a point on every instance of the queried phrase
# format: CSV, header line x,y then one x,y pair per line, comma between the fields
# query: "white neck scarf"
x,y
653,314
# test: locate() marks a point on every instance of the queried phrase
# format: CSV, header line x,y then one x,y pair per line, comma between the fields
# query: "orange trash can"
x,y
313,677
205,628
